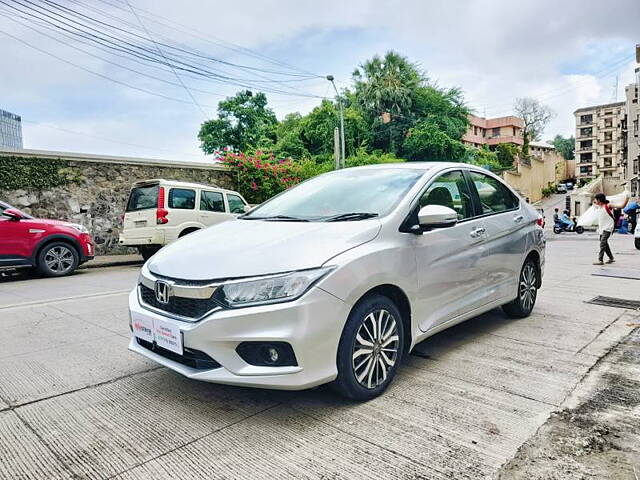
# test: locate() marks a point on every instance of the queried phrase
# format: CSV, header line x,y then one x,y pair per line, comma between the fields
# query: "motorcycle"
x,y
559,227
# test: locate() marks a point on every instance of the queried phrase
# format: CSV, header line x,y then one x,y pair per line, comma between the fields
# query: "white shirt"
x,y
605,222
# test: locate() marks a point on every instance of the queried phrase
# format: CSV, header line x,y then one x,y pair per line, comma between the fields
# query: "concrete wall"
x,y
98,199
542,171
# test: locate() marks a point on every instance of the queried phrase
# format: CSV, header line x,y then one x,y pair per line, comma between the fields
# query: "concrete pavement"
x,y
74,403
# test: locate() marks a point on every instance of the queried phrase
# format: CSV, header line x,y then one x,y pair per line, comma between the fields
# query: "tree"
x,y
535,116
427,141
244,122
565,146
506,154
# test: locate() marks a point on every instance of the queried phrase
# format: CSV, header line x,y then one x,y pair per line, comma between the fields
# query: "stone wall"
x,y
541,171
97,196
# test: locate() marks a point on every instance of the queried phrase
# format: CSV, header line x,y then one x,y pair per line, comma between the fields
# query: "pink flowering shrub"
x,y
261,176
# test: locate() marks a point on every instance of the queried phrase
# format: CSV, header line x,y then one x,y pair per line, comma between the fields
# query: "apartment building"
x,y
10,130
600,139
493,131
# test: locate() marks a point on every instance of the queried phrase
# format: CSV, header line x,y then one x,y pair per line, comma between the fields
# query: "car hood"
x,y
245,248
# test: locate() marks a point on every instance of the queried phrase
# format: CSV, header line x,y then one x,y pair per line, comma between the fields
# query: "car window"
x,y
236,205
211,201
182,198
142,198
494,196
450,190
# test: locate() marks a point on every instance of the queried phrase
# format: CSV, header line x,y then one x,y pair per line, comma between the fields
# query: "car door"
x,y
236,204
505,227
212,208
449,275
16,238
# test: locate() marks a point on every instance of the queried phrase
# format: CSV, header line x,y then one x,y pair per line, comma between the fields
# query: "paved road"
x,y
74,403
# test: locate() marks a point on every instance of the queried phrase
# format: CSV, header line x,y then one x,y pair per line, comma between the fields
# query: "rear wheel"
x,y
556,229
637,242
527,292
57,259
148,251
370,349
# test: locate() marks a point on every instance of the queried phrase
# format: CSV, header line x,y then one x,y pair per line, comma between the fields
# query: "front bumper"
x,y
312,325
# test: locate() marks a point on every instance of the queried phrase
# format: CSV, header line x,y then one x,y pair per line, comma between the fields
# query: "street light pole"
x,y
342,142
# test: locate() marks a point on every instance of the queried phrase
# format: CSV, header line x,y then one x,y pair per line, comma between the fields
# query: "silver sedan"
x,y
334,280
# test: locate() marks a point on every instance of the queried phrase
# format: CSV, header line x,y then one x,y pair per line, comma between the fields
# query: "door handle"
x,y
518,218
477,232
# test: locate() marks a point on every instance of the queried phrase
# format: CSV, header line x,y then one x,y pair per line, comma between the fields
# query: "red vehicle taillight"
x,y
161,212
540,222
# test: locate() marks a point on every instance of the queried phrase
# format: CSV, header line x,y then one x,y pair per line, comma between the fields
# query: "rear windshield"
x,y
142,198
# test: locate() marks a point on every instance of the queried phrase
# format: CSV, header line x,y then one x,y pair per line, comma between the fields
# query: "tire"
x,y
637,242
57,259
523,304
148,252
557,229
369,323
579,230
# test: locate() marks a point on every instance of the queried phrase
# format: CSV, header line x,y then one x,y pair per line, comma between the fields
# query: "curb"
x,y
115,263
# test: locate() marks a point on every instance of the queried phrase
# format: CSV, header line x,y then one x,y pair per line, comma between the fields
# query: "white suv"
x,y
161,211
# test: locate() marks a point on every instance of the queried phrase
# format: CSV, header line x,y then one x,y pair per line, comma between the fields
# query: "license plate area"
x,y
140,223
164,334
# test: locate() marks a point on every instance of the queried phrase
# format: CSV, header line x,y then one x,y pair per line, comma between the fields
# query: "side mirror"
x,y
13,214
436,216
248,208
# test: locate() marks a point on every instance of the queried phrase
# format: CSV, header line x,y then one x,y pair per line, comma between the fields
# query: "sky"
x,y
567,54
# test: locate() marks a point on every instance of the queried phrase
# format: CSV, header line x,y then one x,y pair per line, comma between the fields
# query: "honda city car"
x,y
334,280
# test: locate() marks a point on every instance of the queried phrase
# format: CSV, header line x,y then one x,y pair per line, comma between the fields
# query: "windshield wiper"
x,y
283,218
343,217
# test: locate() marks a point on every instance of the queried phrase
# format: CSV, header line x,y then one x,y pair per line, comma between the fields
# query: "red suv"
x,y
55,248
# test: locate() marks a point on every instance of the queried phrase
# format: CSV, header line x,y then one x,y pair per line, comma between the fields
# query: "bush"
x,y
35,173
363,158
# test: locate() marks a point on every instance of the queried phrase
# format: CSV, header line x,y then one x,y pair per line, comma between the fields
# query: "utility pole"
x,y
342,143
336,147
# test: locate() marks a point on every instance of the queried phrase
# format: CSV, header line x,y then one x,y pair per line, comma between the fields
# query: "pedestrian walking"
x,y
606,225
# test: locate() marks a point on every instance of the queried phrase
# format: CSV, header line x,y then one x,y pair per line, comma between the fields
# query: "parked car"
x,y
561,188
337,278
569,185
160,211
55,248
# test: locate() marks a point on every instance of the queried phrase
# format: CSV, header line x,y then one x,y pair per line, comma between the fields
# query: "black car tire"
x,y
381,363
57,259
637,242
148,251
528,282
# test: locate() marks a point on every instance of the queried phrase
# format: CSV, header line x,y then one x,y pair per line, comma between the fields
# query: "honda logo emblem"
x,y
163,292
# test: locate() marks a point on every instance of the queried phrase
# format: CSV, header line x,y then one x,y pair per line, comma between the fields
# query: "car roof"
x,y
177,183
415,165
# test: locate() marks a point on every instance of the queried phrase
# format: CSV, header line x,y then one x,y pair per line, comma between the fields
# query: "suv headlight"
x,y
80,228
269,289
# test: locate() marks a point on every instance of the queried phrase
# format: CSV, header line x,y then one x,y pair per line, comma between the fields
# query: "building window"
x,y
586,157
608,123
608,136
584,119
496,132
586,144
608,149
586,131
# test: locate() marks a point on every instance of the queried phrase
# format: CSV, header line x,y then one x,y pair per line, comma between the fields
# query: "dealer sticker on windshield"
x,y
164,334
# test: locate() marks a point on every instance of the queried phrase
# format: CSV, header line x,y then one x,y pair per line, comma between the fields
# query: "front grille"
x,y
191,358
194,308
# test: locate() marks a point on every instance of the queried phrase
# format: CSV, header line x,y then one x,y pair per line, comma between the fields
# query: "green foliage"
x,y
427,141
548,190
19,173
363,158
506,154
565,146
483,157
244,121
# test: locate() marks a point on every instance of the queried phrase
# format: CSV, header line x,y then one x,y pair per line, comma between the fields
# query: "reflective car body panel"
x,y
445,275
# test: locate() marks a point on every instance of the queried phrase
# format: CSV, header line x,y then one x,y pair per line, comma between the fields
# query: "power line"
x,y
160,51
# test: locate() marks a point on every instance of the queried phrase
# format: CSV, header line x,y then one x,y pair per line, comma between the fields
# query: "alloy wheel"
x,y
375,348
59,259
528,290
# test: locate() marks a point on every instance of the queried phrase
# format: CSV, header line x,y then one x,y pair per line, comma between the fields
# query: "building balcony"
x,y
497,140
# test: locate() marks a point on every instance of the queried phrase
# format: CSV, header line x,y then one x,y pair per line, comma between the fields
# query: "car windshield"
x,y
143,197
350,194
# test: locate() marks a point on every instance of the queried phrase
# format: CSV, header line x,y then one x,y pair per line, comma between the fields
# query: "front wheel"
x,y
527,292
556,229
637,242
58,259
579,230
370,349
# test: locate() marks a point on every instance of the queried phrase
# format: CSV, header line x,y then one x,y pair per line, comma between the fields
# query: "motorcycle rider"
x,y
566,221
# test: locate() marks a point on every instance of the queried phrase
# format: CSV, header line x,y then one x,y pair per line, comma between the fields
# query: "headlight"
x,y
269,289
80,228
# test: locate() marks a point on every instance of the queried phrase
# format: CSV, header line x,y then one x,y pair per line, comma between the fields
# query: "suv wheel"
x,y
148,252
527,292
57,259
370,349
